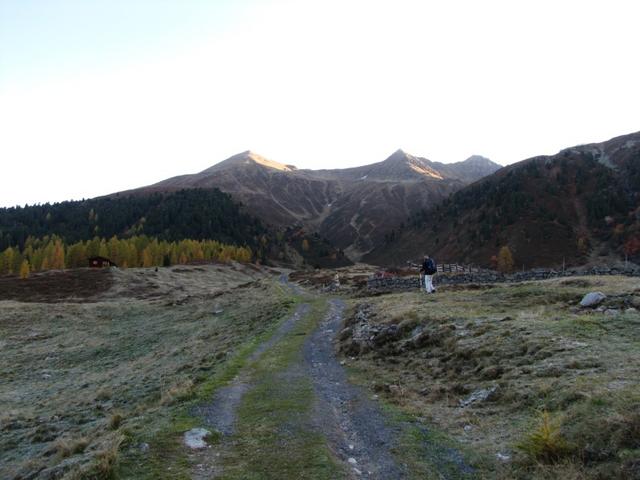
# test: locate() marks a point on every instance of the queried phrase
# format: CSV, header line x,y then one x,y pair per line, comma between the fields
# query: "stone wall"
x,y
488,276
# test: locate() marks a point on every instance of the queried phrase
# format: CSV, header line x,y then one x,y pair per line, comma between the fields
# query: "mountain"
x,y
579,205
353,208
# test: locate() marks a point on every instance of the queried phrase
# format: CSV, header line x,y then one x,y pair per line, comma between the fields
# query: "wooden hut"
x,y
100,262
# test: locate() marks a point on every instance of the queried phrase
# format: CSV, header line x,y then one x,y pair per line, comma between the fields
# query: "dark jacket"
x,y
428,266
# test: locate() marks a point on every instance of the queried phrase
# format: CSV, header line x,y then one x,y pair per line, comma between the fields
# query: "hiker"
x,y
427,270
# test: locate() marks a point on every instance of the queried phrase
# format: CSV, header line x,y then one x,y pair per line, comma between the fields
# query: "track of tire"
x,y
356,429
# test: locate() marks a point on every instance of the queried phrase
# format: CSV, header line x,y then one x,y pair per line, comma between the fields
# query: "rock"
x,y
352,461
144,447
345,334
491,373
592,299
631,310
387,334
612,312
503,457
194,438
635,301
468,428
479,396
422,339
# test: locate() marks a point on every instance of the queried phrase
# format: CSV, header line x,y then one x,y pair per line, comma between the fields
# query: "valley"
x,y
290,381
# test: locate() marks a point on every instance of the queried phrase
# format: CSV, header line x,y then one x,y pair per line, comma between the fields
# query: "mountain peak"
x,y
403,162
478,160
249,158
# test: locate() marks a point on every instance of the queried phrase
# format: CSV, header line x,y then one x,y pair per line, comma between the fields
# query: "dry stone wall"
x,y
488,276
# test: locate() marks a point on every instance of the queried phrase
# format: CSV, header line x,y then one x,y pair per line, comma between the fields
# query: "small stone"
x,y
144,447
352,461
479,396
351,447
592,299
631,310
194,438
358,472
468,428
503,457
46,376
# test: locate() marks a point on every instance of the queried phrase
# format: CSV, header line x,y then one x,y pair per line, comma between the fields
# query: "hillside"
x,y
194,213
170,216
576,206
353,208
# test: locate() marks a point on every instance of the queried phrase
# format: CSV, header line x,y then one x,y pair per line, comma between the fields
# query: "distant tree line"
x,y
51,253
196,214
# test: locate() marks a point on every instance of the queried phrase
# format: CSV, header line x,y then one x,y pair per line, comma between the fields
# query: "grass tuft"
x,y
115,421
65,447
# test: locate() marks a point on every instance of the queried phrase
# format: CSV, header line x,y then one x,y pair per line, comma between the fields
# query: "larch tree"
x,y
505,260
24,269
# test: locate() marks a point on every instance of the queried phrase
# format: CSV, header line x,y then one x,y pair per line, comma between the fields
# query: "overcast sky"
x,y
105,95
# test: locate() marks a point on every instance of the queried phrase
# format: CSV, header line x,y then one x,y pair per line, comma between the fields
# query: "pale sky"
x,y
106,95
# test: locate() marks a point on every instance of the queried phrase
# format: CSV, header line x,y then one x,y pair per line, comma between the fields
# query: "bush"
x,y
546,442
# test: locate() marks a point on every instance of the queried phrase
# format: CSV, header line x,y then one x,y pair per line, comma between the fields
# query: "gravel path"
x,y
354,426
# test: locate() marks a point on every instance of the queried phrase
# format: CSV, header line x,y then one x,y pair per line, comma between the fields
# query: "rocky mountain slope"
x,y
579,205
353,208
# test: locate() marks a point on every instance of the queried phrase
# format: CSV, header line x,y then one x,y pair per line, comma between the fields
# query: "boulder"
x,y
592,299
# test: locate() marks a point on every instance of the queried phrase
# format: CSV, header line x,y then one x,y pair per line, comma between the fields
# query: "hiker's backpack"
x,y
431,267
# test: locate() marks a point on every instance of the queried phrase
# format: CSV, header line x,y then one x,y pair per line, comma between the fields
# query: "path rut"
x,y
220,413
354,425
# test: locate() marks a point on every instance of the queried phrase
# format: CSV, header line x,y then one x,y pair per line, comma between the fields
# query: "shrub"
x,y
546,442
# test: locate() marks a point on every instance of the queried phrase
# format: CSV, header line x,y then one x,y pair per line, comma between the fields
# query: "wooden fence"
x,y
456,268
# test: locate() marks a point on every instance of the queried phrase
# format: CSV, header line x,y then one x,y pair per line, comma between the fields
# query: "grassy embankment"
x,y
564,401
97,384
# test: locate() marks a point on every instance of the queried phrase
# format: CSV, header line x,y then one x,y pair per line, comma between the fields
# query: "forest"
x,y
198,214
52,253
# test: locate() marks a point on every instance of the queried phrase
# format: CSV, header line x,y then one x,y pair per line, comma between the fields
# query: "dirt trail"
x,y
354,426
356,430
220,413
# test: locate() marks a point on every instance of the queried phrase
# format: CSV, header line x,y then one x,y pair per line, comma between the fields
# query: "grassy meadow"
x,y
518,376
